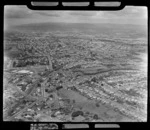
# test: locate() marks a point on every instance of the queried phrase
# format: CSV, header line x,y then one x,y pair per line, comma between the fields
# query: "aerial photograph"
x,y
75,66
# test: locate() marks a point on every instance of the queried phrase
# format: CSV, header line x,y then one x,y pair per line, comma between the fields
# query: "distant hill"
x,y
98,28
71,26
56,26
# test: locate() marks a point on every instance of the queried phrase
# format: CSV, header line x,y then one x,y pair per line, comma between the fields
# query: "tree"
x,y
77,113
95,117
97,104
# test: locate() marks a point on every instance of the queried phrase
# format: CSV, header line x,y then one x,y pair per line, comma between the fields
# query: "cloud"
x,y
129,15
22,12
49,14
82,13
17,12
18,15
127,12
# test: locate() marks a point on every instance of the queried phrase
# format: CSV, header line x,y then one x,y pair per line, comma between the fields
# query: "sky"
x,y
20,14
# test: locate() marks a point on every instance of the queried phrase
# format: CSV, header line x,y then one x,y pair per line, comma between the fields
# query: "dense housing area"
x,y
75,76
